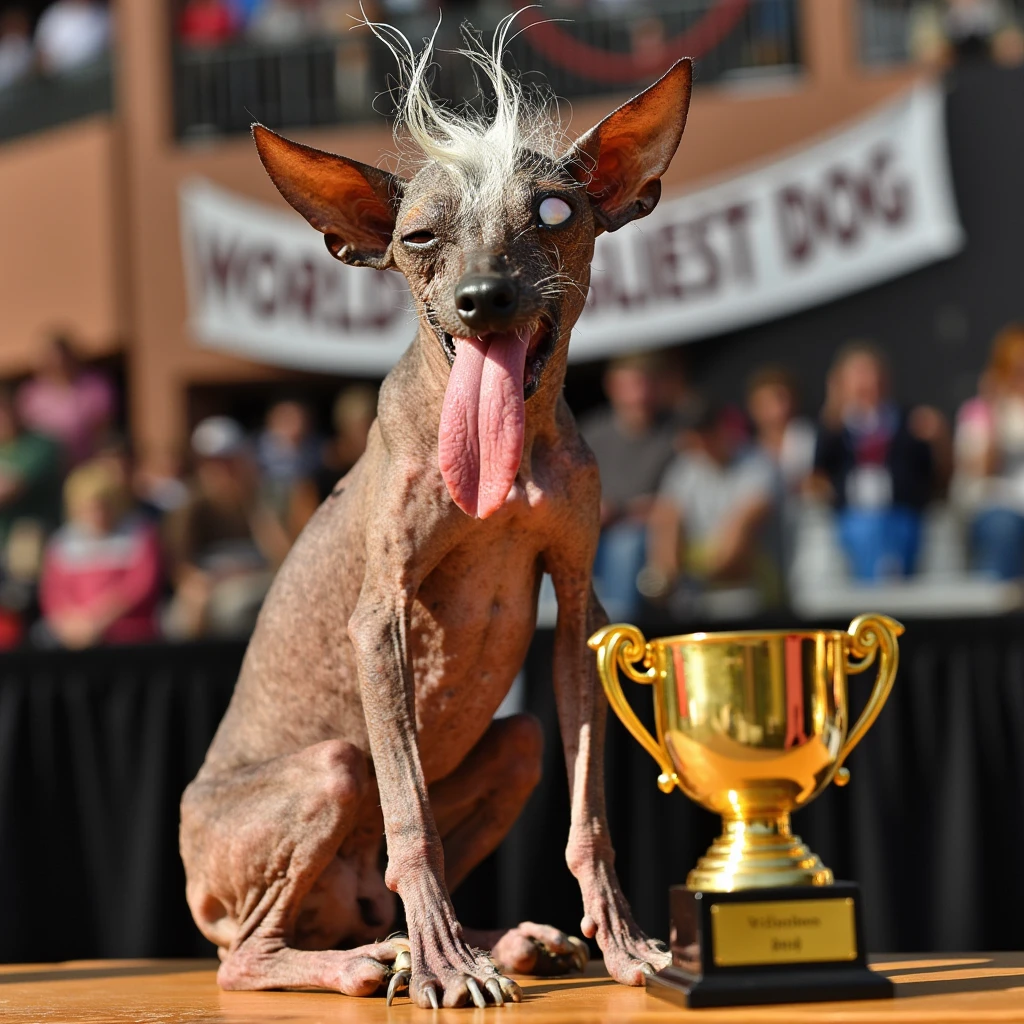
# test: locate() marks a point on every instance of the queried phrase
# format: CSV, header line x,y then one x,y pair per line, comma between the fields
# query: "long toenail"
x,y
399,982
510,989
475,993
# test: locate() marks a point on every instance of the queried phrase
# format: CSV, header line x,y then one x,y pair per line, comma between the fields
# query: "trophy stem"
x,y
757,852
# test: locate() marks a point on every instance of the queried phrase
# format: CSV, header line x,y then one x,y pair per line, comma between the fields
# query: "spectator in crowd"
x,y
288,453
71,34
63,400
16,53
788,441
878,464
707,523
353,414
155,484
224,543
29,482
633,441
675,394
204,23
102,574
989,482
966,30
279,22
786,438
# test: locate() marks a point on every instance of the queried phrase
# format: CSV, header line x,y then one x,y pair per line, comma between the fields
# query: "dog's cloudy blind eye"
x,y
554,211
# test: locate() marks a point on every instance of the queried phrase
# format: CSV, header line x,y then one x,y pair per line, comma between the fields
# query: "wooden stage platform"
x,y
968,989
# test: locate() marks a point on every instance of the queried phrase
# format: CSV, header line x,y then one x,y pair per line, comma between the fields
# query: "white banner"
x,y
863,205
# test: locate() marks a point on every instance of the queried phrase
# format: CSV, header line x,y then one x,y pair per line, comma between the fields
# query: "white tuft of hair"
x,y
481,150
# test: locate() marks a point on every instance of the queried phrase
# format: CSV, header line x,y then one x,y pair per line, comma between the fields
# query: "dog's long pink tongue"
x,y
480,443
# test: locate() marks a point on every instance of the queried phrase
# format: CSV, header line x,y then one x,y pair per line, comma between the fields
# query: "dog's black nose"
x,y
487,302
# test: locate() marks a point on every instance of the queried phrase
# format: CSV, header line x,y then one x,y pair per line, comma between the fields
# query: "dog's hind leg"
x,y
474,808
264,876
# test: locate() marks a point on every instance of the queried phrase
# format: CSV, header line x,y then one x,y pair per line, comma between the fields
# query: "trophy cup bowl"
x,y
753,726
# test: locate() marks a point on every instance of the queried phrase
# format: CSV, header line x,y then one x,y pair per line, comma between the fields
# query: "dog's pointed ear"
x,y
353,204
621,159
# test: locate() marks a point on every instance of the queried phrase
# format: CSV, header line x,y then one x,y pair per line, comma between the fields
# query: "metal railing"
x,y
45,101
345,78
888,28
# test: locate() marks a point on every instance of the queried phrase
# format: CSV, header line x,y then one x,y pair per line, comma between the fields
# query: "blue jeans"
x,y
997,537
620,556
880,543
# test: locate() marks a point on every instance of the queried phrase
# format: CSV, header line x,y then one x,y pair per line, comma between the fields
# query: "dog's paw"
x,y
454,989
539,949
632,957
449,974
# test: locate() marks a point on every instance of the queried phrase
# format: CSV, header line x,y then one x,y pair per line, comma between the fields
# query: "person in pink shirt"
x,y
102,572
66,402
989,483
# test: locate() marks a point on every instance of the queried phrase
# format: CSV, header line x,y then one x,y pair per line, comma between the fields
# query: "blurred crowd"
x,y
937,31
215,22
71,34
203,23
940,33
702,499
67,36
97,546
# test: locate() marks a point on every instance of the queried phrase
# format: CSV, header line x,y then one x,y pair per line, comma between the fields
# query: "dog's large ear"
x,y
353,204
621,160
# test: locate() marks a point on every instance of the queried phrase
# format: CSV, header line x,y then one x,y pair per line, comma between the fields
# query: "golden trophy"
x,y
753,726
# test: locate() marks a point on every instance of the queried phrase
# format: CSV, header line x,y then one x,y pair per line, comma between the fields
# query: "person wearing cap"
x,y
224,544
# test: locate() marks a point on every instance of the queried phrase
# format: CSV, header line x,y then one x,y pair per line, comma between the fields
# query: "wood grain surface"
x,y
951,989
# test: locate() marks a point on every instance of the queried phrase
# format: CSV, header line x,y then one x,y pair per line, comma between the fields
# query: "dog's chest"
x,y
471,626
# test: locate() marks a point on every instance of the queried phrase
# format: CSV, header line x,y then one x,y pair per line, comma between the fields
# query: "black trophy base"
x,y
795,945
758,988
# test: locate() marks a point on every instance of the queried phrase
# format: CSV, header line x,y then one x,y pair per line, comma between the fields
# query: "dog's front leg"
x,y
582,711
444,969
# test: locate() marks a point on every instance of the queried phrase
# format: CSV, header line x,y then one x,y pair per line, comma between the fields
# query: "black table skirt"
x,y
96,747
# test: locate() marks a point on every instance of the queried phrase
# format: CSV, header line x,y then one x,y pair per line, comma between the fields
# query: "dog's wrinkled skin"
x,y
336,735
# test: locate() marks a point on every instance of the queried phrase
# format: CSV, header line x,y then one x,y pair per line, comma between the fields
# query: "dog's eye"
x,y
554,211
419,239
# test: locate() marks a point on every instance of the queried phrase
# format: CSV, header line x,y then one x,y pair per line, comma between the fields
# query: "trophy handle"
x,y
620,647
870,634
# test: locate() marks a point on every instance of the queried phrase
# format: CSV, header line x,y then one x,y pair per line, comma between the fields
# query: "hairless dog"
x,y
395,627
